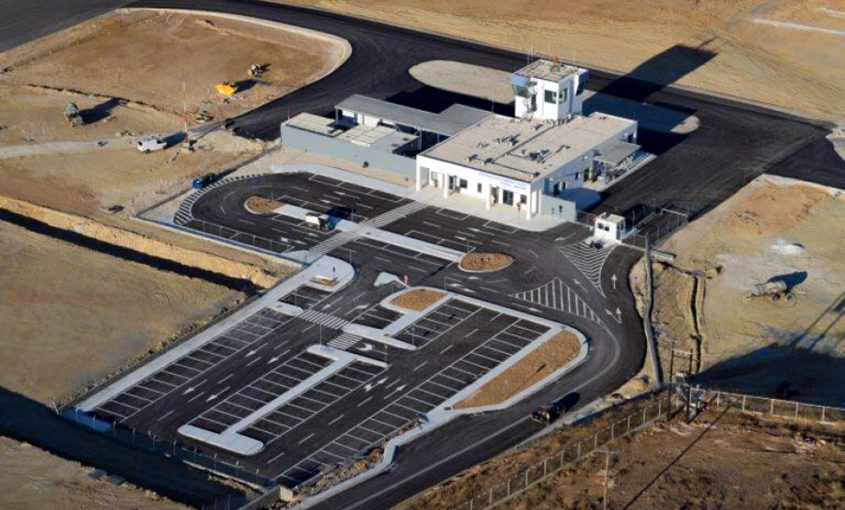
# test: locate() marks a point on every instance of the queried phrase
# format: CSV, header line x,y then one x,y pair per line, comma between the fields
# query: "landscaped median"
x,y
557,352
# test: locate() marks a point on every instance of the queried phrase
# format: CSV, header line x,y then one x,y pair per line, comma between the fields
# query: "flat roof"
x,y
314,123
380,137
450,121
616,152
524,149
547,70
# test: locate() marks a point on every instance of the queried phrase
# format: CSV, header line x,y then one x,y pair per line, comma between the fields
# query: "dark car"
x,y
205,180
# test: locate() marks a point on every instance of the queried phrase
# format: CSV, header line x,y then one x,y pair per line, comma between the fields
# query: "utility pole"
x,y
606,451
669,393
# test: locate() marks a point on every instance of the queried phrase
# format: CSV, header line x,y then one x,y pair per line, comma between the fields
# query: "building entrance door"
x,y
507,197
494,195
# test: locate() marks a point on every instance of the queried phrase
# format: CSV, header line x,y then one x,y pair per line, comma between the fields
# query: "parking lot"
x,y
258,379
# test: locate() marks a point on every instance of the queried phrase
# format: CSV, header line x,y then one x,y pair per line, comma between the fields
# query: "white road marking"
x,y
364,401
424,363
447,348
336,419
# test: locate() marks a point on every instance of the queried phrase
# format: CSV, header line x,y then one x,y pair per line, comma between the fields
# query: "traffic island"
x,y
477,262
417,300
262,205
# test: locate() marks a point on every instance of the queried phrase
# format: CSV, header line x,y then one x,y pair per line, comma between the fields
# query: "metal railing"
x,y
769,406
146,440
572,452
548,467
236,236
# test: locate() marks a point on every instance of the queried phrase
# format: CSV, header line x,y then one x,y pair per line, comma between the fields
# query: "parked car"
x,y
151,143
205,180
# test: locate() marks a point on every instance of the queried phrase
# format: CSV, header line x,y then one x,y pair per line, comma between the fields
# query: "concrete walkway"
x,y
377,234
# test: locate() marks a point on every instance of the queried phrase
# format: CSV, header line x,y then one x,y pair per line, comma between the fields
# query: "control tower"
x,y
548,90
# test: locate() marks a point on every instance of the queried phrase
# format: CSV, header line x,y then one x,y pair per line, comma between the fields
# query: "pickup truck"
x,y
321,221
150,143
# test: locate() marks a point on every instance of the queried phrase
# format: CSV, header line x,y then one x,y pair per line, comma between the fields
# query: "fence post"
x,y
545,463
628,429
490,497
509,486
579,450
718,398
612,430
823,410
644,408
796,409
526,478
771,406
743,403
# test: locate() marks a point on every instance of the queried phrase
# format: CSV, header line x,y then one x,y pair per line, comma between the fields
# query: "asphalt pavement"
x,y
550,278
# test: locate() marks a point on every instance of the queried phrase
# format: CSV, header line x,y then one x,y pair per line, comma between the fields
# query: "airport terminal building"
x,y
548,159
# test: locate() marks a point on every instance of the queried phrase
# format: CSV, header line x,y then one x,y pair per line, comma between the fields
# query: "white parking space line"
x,y
306,438
364,401
424,363
336,419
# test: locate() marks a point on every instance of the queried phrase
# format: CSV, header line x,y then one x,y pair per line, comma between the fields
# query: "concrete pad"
x,y
377,335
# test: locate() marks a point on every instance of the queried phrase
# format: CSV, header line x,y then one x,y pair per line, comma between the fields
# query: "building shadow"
x,y
436,100
781,371
24,419
100,111
660,71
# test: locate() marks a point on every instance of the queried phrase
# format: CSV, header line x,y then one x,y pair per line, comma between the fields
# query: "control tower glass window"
x,y
551,96
520,91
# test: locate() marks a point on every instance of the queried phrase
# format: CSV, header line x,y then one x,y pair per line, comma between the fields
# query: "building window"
x,y
463,184
551,96
479,187
561,98
523,199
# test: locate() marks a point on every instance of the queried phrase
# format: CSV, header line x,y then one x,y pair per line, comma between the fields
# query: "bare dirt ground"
x,y
171,61
720,460
485,262
72,316
800,73
773,229
533,368
417,300
123,93
33,479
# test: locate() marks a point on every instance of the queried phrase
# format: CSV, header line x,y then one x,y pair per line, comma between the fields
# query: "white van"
x,y
151,143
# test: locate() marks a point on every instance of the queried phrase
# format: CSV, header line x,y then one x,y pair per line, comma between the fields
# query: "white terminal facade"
x,y
548,150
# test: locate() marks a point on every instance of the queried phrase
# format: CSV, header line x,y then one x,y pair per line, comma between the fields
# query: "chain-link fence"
x,y
644,225
236,236
769,406
543,470
149,441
